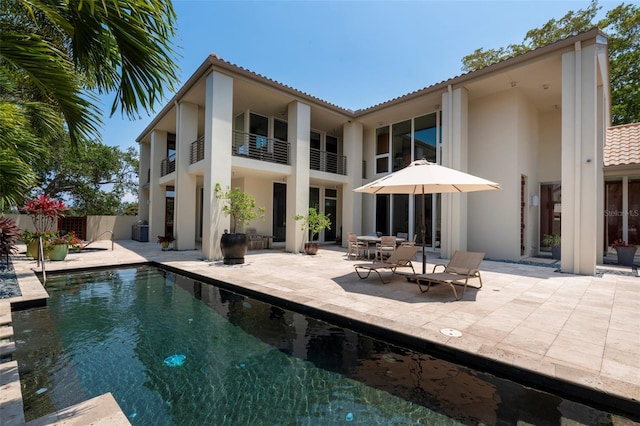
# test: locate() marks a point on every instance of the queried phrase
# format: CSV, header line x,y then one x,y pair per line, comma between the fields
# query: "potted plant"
x,y
242,209
58,247
44,212
626,253
553,241
313,223
165,241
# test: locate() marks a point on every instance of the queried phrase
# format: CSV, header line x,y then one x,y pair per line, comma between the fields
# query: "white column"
x,y
157,193
455,105
218,133
582,175
184,221
352,201
299,130
143,180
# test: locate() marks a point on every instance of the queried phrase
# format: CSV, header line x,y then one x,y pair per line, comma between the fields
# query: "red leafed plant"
x,y
9,234
44,212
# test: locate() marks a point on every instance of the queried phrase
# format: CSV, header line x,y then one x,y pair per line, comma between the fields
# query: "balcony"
x,y
260,148
168,165
328,162
197,150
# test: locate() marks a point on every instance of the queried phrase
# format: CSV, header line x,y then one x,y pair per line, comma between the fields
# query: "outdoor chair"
x,y
410,242
401,258
462,266
355,247
386,246
254,240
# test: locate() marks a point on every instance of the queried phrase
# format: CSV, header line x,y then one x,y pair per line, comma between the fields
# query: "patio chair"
x,y
410,242
356,247
401,258
386,246
254,240
462,266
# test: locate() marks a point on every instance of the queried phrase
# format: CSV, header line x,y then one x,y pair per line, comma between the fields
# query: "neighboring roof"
x,y
622,147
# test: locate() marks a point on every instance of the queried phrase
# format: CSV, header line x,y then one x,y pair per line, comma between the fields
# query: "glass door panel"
x,y
634,211
279,212
613,211
550,208
382,213
331,209
400,214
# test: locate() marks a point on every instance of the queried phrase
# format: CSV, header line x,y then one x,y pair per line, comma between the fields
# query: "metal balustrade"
x,y
168,165
328,162
197,150
260,148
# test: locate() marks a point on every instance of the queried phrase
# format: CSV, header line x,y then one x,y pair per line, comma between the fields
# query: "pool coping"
x,y
517,367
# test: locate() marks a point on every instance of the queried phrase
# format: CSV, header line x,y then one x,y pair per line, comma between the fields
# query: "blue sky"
x,y
351,53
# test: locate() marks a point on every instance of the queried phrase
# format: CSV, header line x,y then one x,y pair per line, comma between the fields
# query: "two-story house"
x,y
534,123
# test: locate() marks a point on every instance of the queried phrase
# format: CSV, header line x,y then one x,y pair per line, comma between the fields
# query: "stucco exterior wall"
x,y
493,219
550,149
97,226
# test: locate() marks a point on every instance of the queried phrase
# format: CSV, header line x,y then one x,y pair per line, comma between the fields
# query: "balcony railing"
x,y
168,165
260,148
328,162
197,150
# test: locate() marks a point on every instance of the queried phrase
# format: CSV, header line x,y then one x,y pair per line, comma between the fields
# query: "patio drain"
x,y
451,332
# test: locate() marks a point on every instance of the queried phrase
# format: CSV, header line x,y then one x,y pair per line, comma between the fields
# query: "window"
x,y
401,144
280,130
382,149
425,138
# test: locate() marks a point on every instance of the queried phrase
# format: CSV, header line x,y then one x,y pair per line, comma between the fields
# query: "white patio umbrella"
x,y
423,177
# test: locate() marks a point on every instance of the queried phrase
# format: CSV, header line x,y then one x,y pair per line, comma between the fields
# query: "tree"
x,y
622,24
56,56
94,179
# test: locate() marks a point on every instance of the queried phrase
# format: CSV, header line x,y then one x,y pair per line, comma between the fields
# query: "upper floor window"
x,y
382,149
399,144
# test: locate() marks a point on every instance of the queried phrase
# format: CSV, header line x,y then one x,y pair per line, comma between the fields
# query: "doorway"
x,y
279,212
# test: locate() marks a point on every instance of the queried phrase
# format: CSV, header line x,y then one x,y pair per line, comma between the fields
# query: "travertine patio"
x,y
577,329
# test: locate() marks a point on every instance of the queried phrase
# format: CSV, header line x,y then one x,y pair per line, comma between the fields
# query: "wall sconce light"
x,y
514,83
535,201
545,86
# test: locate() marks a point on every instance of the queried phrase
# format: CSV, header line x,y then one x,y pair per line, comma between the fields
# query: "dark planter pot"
x,y
626,255
555,252
311,248
234,247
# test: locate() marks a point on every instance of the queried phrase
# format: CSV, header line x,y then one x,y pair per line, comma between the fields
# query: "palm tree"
x,y
56,56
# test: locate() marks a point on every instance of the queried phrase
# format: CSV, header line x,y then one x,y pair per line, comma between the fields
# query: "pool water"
x,y
173,350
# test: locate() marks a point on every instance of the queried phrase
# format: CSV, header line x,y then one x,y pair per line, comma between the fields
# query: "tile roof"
x,y
623,145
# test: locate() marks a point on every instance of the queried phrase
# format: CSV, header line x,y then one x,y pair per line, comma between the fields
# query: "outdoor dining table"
x,y
372,239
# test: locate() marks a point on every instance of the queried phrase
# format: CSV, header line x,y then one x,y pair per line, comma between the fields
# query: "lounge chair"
x,y
462,266
401,258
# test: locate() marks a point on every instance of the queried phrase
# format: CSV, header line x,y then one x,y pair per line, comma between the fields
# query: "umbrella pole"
x,y
424,232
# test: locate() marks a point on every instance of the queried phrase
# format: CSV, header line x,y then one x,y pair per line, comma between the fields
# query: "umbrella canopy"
x,y
423,177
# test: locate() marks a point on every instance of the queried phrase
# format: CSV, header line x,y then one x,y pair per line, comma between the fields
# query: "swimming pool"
x,y
174,350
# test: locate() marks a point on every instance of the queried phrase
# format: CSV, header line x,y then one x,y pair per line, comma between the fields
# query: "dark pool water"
x,y
233,360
